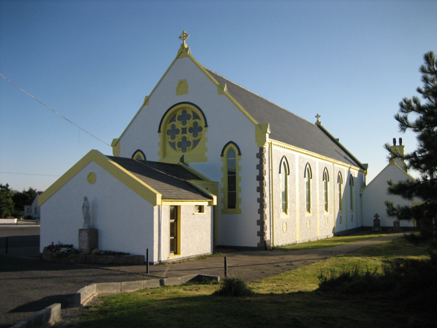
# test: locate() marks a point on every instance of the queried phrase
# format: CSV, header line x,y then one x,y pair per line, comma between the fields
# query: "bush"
x,y
411,282
233,286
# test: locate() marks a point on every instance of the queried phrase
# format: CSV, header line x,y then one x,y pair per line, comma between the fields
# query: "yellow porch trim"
x,y
118,172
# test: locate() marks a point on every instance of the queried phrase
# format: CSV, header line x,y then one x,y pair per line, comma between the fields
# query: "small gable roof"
x,y
286,126
168,179
153,181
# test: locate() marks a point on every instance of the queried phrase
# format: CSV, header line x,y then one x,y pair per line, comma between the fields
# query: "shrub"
x,y
233,286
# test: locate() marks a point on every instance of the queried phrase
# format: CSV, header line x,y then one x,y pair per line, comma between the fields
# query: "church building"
x,y
205,163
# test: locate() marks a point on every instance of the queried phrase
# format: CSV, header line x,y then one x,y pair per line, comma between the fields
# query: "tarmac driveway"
x,y
27,285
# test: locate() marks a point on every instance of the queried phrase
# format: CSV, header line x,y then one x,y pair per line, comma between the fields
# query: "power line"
x,y
44,175
92,135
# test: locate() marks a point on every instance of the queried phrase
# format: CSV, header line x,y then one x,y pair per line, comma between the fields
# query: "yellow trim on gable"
x,y
115,144
146,101
118,172
314,155
225,92
262,132
184,51
183,202
221,88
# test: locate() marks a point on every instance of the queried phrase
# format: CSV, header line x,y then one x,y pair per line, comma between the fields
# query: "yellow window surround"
x,y
234,167
182,134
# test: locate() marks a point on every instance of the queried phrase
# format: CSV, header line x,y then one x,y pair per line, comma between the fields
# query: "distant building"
x,y
375,193
33,209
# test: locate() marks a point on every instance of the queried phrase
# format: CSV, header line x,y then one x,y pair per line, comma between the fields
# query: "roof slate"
x,y
167,179
286,126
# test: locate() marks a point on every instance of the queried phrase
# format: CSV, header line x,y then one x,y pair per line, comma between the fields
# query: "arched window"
x,y
308,177
283,172
231,177
351,191
139,155
326,189
340,192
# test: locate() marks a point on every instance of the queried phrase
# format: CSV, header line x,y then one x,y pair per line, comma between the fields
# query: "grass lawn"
x,y
290,299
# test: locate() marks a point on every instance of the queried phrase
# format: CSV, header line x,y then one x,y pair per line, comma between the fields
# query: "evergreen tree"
x,y
422,121
6,202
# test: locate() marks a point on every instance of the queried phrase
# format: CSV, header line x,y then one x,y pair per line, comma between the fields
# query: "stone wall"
x,y
66,258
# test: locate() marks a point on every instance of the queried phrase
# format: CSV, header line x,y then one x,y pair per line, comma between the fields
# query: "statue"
x,y
86,213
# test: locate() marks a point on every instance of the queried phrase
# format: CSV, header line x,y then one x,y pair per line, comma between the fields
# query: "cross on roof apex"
x,y
318,118
183,37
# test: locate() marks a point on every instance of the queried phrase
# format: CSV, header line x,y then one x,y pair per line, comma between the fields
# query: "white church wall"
x,y
375,194
326,218
284,224
225,123
123,219
341,223
301,225
307,220
195,233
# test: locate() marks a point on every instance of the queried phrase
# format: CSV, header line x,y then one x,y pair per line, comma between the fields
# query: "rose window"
x,y
184,130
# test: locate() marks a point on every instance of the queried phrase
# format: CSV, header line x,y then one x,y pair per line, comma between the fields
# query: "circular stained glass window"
x,y
184,130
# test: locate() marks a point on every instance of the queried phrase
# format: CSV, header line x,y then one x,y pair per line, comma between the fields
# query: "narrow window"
x,y
326,189
174,230
231,189
284,187
351,189
340,194
232,178
308,188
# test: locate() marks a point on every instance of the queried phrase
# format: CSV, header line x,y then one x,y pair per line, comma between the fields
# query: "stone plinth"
x,y
88,240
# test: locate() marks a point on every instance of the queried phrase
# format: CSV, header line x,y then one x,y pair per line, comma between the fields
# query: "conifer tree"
x,y
421,118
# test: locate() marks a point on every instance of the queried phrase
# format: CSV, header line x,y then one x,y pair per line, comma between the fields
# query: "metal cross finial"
x,y
318,118
184,36
376,216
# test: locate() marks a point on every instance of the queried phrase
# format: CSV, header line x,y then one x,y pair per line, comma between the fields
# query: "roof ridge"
x,y
258,95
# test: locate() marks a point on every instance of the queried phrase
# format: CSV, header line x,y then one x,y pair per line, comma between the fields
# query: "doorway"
x,y
174,230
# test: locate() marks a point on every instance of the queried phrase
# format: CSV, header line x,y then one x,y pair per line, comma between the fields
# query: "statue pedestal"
x,y
88,240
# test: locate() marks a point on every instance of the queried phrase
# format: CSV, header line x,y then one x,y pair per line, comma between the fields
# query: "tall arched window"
x,y
284,171
340,192
307,177
326,189
351,191
231,178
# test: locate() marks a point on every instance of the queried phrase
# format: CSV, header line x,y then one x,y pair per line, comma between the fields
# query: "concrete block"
x,y
109,287
170,281
130,286
49,315
188,278
153,283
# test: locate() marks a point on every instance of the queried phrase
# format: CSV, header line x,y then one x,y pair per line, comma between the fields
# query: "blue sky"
x,y
95,61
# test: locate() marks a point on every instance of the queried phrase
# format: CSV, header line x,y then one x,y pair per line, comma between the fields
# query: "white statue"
x,y
86,213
